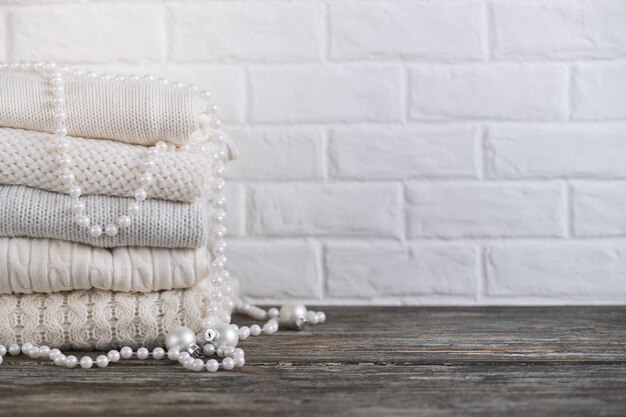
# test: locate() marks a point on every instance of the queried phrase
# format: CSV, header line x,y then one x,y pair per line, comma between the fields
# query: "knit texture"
x,y
29,212
128,111
102,319
45,266
102,167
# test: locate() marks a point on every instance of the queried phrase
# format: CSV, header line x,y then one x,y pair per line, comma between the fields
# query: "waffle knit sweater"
x,y
134,112
29,212
103,167
47,266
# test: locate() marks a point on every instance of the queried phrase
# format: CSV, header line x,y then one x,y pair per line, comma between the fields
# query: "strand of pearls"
x,y
61,145
220,341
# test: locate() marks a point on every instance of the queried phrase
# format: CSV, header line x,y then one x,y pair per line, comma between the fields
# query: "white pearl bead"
x,y
26,347
65,161
173,354
182,356
133,208
61,131
123,221
114,356
60,360
311,317
1,360
14,349
75,191
321,317
126,352
146,178
54,353
187,362
255,330
197,365
244,332
140,194
86,362
161,146
68,177
95,230
143,353
71,361
149,164
33,352
44,351
239,362
110,230
212,365
228,364
3,350
102,361
83,221
62,146
272,313
158,353
208,349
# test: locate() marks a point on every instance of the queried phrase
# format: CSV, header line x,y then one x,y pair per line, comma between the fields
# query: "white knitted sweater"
x,y
46,266
133,112
104,319
103,167
29,212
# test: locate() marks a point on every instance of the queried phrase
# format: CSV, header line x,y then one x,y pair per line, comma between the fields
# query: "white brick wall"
x,y
393,151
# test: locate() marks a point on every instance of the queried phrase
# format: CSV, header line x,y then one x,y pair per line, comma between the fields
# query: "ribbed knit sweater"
x,y
103,167
29,212
47,265
134,112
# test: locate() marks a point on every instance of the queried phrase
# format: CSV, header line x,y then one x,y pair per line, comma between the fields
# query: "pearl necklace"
x,y
184,346
61,144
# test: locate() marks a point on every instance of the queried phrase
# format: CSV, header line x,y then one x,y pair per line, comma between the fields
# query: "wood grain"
x,y
373,361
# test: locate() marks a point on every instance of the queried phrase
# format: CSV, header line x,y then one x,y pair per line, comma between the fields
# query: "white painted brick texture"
x,y
392,151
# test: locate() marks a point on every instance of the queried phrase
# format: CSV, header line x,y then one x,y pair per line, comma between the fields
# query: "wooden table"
x,y
562,361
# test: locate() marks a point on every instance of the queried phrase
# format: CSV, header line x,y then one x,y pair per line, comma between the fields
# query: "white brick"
x,y
403,152
545,269
407,29
227,86
287,154
599,92
321,209
565,29
525,92
556,151
274,269
88,33
325,94
390,269
599,209
235,209
246,31
485,210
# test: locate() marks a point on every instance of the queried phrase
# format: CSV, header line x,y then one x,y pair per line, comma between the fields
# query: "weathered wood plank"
x,y
366,361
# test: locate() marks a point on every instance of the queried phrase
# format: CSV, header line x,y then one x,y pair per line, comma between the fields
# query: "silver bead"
x,y
293,316
181,338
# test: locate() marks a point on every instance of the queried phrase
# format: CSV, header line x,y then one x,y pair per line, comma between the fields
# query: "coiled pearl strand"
x,y
232,356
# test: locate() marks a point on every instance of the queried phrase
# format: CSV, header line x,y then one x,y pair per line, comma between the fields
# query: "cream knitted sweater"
x,y
29,212
103,167
134,112
104,319
46,266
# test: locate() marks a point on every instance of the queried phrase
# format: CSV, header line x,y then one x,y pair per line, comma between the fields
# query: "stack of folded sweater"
x,y
111,209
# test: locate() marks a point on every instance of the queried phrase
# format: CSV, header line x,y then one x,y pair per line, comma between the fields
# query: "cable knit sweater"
x,y
103,319
103,167
29,212
134,112
46,266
